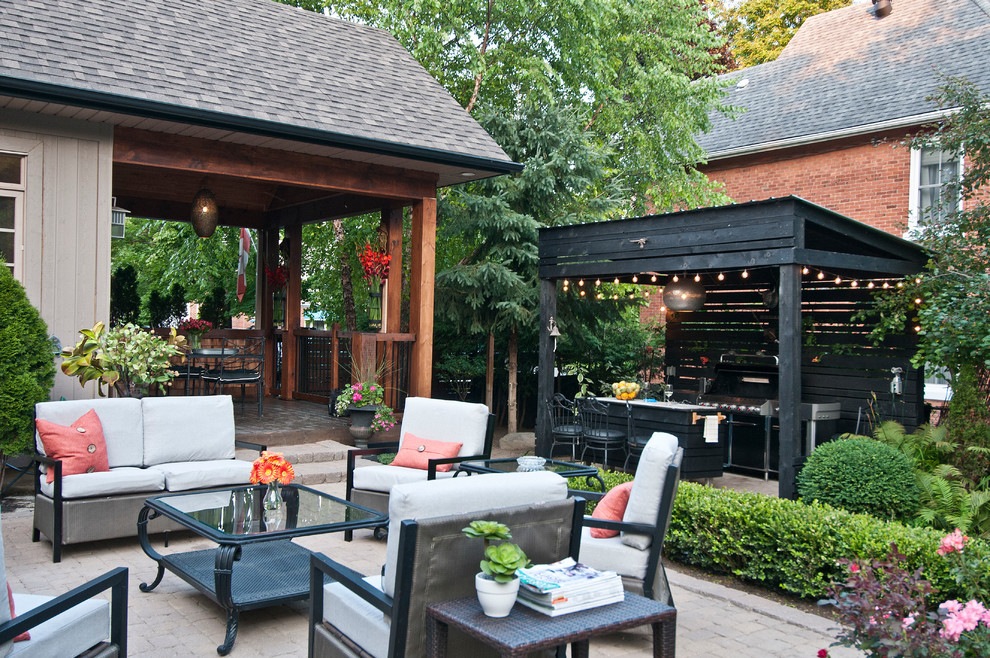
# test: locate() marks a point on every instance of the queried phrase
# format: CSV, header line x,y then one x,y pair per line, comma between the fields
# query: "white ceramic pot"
x,y
496,598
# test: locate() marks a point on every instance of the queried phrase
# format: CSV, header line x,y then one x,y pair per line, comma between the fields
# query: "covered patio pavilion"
x,y
286,116
822,267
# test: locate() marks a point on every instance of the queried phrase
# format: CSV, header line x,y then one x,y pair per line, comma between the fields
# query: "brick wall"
x,y
866,178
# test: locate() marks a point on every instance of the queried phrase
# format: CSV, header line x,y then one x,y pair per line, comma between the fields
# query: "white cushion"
x,y
121,420
382,478
446,420
188,428
121,480
644,499
423,500
68,634
182,476
612,555
356,618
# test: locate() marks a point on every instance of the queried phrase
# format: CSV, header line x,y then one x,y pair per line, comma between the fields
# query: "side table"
x,y
526,630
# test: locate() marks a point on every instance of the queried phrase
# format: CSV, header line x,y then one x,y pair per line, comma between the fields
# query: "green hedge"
x,y
790,545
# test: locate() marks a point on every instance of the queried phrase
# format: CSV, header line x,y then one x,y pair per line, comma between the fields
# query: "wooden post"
x,y
267,257
364,358
334,358
392,317
789,331
490,373
293,302
544,377
422,273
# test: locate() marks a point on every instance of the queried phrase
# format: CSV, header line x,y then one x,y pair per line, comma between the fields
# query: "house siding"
x,y
66,236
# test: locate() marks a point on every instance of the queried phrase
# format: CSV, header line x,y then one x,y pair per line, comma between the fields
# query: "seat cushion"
x,y
115,481
604,435
67,634
568,430
417,453
356,618
80,446
446,420
188,428
123,428
611,554
644,499
183,476
382,478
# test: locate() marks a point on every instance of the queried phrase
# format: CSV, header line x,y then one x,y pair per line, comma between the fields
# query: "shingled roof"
x,y
846,72
247,65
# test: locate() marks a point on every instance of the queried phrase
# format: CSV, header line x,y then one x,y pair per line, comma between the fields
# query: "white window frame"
x,y
914,192
16,192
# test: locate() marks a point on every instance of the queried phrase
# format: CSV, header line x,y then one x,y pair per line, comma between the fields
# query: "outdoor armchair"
x,y
74,623
446,421
636,553
429,559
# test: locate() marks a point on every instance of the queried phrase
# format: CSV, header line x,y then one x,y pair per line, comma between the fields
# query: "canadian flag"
x,y
242,261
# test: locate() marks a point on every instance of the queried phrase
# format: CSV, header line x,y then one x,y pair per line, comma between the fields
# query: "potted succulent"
x,y
497,584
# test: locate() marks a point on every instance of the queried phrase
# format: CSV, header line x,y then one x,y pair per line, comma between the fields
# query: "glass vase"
x,y
273,507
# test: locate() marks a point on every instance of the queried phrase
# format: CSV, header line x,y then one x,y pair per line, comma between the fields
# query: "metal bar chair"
x,y
565,423
597,432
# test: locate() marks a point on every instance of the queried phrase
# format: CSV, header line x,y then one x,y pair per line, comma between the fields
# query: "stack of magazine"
x,y
567,586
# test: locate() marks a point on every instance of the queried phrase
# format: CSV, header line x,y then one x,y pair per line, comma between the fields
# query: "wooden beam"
x,y
392,222
172,211
544,386
422,274
789,334
341,205
293,302
203,156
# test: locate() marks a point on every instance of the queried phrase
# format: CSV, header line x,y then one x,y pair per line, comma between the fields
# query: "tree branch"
x,y
484,49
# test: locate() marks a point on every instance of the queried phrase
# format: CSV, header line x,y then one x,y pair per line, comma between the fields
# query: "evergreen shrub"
x,y
861,476
27,365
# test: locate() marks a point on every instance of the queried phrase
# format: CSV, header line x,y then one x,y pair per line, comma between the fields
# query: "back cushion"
x,y
121,419
188,429
651,473
428,499
446,420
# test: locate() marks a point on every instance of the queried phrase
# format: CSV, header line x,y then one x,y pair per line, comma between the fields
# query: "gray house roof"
x,y
255,66
847,73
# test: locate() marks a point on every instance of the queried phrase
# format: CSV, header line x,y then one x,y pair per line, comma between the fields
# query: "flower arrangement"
x,y
271,467
885,607
195,326
366,394
375,265
277,278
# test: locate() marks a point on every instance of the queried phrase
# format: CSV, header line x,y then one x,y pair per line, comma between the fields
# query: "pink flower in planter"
x,y
854,568
823,653
357,396
907,622
954,541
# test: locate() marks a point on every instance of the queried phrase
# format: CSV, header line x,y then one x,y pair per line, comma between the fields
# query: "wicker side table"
x,y
526,630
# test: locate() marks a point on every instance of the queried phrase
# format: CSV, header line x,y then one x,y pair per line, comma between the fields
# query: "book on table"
x,y
567,586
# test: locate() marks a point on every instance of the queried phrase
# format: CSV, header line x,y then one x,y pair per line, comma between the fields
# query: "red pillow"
x,y
611,508
80,446
25,636
417,453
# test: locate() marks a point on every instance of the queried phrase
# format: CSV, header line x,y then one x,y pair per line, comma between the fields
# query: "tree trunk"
x,y
513,419
346,287
490,374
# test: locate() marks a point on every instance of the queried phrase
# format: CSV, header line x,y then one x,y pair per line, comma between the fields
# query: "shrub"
x,y
862,476
27,366
791,545
125,301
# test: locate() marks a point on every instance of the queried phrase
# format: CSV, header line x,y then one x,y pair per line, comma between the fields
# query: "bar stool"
x,y
635,439
565,423
596,434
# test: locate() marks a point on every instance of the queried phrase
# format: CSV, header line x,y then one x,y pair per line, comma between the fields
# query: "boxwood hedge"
x,y
791,545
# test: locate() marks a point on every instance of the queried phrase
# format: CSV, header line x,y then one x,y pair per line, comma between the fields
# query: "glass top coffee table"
x,y
509,465
270,569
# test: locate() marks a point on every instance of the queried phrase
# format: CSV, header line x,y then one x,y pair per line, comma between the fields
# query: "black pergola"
x,y
822,267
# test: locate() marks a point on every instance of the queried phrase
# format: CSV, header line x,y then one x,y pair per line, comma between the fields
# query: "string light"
x,y
653,278
900,284
918,280
855,284
635,279
805,270
675,279
869,285
838,280
917,327
646,293
663,309
917,300
600,295
885,285
581,282
721,277
745,274
582,293
821,275
616,280
632,296
615,296
697,278
598,282
566,283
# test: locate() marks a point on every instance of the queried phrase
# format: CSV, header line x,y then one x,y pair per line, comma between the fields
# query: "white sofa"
x,y
154,445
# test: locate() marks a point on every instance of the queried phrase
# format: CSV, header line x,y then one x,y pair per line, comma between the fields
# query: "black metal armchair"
x,y
597,431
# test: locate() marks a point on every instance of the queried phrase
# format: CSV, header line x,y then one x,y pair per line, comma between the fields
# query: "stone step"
x,y
311,473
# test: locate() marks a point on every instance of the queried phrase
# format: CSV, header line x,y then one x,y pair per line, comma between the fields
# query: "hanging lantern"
x,y
684,295
204,213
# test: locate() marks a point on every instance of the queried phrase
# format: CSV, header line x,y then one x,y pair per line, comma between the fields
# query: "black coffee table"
x,y
270,569
510,465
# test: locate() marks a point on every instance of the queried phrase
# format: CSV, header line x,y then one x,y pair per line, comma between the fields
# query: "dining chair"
x,y
598,433
565,423
240,362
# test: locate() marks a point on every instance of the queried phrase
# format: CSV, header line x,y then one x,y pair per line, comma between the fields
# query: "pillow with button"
x,y
417,453
80,446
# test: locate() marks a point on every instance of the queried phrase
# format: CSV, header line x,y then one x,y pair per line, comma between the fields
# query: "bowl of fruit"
x,y
625,390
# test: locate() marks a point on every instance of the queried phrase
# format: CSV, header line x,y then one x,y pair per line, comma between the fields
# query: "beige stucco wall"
x,y
66,236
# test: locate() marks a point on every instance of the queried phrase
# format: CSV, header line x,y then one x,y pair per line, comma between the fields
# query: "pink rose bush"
x,y
886,612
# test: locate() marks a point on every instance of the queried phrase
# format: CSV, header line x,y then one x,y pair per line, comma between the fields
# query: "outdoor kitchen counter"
x,y
701,459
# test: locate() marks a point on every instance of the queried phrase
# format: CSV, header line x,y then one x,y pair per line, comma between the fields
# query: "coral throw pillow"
x,y
25,636
80,446
417,453
611,508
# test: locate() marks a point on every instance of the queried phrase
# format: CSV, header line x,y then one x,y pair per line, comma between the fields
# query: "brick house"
x,y
828,119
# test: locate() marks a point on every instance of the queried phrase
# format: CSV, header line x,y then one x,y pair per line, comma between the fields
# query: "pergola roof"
x,y
253,67
787,230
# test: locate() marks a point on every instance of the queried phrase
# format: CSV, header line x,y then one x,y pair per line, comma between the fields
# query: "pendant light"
x,y
684,295
204,213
